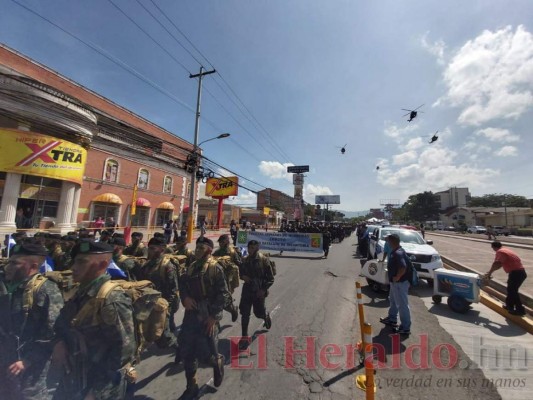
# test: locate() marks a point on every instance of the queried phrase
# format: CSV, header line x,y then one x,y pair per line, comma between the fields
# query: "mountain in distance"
x,y
354,214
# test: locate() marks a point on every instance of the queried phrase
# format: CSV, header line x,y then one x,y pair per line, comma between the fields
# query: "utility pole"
x,y
192,208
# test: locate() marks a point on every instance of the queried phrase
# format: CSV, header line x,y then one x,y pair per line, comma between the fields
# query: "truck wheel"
x,y
437,299
458,304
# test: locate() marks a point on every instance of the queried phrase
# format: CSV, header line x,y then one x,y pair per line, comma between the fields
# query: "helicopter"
x,y
434,138
412,113
377,168
343,148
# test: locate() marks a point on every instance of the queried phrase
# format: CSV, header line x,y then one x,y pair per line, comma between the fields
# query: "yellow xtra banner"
x,y
31,153
222,187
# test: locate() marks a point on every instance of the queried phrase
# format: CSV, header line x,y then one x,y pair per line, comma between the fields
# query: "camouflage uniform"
x,y
163,274
34,333
209,290
231,272
126,264
188,261
139,250
259,271
101,347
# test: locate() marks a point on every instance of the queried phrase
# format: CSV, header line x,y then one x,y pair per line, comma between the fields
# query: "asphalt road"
x,y
313,302
479,256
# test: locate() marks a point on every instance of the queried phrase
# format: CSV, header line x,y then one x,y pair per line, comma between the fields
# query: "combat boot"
x,y
234,313
268,321
191,393
218,370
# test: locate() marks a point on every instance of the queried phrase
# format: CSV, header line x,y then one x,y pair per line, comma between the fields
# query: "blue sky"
x,y
312,76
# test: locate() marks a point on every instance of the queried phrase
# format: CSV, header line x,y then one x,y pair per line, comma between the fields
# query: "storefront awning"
x,y
108,198
186,209
166,205
142,202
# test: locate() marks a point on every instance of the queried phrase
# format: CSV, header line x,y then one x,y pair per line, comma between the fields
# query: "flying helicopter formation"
x,y
412,115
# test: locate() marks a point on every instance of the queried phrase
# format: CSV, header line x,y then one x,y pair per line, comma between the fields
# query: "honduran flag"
x,y
115,272
47,266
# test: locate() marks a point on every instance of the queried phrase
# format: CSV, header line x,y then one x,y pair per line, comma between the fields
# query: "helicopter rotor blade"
x,y
418,107
405,109
405,115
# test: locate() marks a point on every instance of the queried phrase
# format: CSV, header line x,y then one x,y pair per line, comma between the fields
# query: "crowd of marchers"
x,y
77,312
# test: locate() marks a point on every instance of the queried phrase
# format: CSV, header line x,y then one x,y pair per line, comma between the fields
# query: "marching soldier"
x,y
125,263
160,270
29,307
231,271
182,250
203,292
137,247
95,335
257,274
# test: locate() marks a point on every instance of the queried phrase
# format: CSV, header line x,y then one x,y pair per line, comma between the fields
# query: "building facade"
x,y
70,156
274,199
453,197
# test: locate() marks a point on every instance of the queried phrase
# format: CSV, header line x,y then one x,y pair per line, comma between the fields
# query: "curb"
x,y
525,323
473,239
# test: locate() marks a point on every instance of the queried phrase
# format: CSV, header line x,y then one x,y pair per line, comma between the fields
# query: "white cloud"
x,y
498,135
436,48
275,170
414,144
243,199
490,76
395,132
311,190
506,151
404,158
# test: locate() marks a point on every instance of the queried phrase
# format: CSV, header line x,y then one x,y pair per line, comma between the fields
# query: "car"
x,y
425,257
450,228
476,229
501,230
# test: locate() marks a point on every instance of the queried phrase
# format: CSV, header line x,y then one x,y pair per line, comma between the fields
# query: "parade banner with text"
x,y
30,153
283,241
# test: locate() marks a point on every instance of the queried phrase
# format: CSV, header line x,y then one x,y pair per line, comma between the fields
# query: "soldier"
x,y
257,274
95,332
125,263
67,243
160,270
137,247
29,307
231,271
203,291
105,237
182,250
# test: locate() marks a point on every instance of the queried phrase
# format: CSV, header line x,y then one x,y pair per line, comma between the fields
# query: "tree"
x,y
498,200
422,207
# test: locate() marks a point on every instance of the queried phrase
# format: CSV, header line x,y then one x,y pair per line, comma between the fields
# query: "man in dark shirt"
x,y
399,288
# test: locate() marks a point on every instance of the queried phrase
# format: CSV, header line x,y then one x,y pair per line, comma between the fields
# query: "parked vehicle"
x,y
450,228
501,230
476,229
425,257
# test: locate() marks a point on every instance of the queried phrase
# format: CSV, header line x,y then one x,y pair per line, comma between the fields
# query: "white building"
x,y
453,197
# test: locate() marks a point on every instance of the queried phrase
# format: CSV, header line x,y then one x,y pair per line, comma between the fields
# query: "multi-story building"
x,y
70,155
276,200
453,197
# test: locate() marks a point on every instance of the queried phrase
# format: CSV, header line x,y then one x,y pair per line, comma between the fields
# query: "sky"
x,y
299,79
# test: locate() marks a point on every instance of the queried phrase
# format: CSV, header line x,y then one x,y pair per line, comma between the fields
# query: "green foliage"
x,y
422,207
498,200
524,232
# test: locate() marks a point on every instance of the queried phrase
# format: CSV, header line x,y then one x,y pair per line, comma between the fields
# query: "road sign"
x,y
298,169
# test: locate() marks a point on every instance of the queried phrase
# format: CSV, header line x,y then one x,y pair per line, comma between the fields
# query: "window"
x,y
111,171
167,184
162,216
144,176
105,210
141,217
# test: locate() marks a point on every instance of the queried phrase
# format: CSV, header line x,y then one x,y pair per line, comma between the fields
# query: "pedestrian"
x,y
110,225
510,262
399,288
167,230
423,230
175,228
28,310
233,230
326,242
95,337
98,225
203,227
256,272
203,292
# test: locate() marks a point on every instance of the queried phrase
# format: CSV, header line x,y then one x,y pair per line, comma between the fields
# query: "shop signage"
x,y
31,153
222,187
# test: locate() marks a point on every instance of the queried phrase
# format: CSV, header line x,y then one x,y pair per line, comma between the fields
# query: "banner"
x,y
283,241
222,187
31,153
328,199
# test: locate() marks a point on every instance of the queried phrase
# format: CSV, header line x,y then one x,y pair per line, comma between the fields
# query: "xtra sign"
x,y
35,154
222,187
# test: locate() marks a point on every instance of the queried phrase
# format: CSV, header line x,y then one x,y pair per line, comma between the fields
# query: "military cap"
x,y
118,235
72,233
253,242
118,241
223,237
54,236
85,246
137,234
181,239
157,241
159,235
29,248
71,238
105,232
204,240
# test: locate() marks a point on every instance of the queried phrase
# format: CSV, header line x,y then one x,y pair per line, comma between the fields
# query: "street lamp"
x,y
190,226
